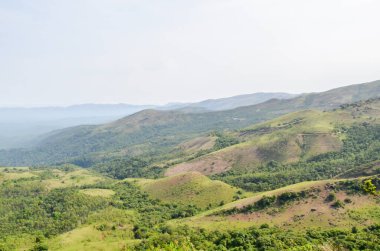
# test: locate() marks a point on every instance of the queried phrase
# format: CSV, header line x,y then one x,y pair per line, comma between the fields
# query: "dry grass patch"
x,y
98,192
315,211
75,178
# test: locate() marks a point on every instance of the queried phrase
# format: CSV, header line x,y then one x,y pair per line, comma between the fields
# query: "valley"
x,y
218,125
286,174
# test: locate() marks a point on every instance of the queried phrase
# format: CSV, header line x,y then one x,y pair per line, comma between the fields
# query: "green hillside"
x,y
291,138
98,233
341,204
97,213
156,133
69,208
191,189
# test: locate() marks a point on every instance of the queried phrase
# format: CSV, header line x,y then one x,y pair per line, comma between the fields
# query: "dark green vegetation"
x,y
27,208
266,238
224,141
127,168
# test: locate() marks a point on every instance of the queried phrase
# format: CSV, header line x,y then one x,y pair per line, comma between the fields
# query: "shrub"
x,y
330,197
369,187
347,200
265,202
337,204
287,197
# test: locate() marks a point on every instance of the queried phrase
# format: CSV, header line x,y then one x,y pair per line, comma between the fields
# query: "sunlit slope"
x,y
192,189
287,139
53,178
108,229
308,205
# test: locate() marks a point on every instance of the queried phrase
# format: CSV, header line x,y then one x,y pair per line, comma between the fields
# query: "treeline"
x,y
133,167
263,238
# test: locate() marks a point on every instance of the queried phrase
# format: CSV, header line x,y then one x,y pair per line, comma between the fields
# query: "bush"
x,y
224,141
369,187
331,197
337,204
265,202
347,200
287,197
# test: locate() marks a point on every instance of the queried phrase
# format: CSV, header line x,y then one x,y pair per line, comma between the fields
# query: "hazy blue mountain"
x,y
227,103
238,101
19,126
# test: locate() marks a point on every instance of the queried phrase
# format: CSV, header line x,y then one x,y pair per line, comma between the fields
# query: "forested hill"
x,y
159,131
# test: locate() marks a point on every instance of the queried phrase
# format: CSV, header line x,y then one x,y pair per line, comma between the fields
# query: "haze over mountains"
x,y
19,126
230,102
149,130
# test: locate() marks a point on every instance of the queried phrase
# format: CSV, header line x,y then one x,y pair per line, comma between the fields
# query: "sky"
x,y
64,52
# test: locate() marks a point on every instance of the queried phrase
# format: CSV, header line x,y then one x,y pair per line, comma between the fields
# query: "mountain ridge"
x,y
151,130
22,125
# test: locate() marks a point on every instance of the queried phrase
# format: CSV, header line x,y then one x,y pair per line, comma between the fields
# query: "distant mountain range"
x,y
228,103
20,126
155,132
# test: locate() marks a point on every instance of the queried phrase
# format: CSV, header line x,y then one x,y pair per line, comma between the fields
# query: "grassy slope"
x,y
305,214
189,188
197,144
98,192
289,138
53,178
109,229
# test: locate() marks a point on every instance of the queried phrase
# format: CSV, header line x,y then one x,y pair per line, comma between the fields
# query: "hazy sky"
x,y
156,51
